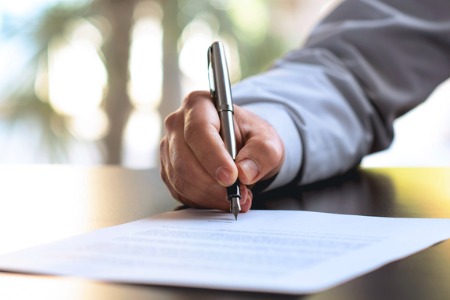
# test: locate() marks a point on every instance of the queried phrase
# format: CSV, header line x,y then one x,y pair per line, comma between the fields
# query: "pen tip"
x,y
235,207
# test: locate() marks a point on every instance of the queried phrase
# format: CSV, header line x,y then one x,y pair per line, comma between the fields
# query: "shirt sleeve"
x,y
335,100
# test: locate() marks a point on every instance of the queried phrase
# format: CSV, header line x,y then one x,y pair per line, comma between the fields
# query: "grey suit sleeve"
x,y
334,100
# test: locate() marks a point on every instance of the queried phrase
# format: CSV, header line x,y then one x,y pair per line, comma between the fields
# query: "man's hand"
x,y
195,165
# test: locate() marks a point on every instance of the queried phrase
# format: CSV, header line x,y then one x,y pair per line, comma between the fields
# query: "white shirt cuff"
x,y
280,120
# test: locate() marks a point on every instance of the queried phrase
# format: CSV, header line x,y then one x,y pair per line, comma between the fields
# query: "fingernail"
x,y
250,169
224,176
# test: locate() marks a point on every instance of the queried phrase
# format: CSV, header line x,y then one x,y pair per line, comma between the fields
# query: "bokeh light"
x,y
77,76
146,63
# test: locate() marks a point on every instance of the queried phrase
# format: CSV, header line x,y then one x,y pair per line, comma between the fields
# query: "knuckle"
x,y
193,98
190,100
172,120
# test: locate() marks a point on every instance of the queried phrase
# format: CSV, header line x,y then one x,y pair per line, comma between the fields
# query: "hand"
x,y
195,165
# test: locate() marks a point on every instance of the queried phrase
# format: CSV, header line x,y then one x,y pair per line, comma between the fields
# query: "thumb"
x,y
262,152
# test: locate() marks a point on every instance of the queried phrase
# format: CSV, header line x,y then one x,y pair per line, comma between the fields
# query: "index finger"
x,y
201,133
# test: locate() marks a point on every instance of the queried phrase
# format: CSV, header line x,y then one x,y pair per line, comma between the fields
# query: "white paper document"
x,y
291,252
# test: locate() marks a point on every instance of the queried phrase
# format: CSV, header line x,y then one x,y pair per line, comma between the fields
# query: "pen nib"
x,y
235,207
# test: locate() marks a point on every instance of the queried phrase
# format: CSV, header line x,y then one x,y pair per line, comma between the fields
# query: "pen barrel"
x,y
227,132
221,93
219,83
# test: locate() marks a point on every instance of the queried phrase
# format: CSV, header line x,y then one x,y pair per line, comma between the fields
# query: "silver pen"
x,y
220,88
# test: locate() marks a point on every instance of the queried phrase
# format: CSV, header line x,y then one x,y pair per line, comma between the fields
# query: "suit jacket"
x,y
334,100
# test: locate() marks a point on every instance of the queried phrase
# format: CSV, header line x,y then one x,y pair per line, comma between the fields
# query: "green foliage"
x,y
245,22
19,101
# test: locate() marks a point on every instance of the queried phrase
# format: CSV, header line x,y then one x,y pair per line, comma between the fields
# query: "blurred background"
x,y
90,81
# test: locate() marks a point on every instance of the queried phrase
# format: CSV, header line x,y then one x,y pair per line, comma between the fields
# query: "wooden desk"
x,y
39,204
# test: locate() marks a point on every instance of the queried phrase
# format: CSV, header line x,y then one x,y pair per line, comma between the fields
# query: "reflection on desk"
x,y
392,192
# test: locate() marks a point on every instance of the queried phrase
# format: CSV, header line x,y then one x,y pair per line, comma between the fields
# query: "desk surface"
x,y
39,204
